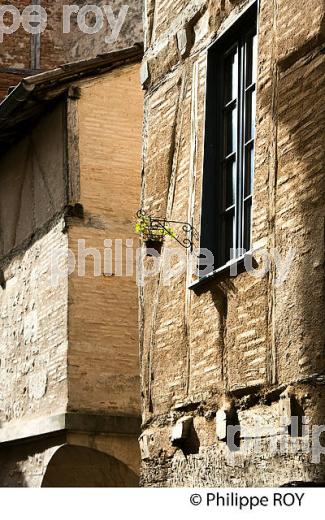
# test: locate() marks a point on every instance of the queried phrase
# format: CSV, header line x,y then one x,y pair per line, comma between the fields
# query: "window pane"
x,y
251,60
254,65
230,234
249,169
230,131
230,182
230,142
250,115
231,77
247,224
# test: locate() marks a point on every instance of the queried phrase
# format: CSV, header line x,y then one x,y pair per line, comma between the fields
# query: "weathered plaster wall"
x,y
34,285
33,181
103,310
243,338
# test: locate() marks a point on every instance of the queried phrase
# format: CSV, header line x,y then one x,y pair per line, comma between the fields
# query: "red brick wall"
x,y
8,80
58,48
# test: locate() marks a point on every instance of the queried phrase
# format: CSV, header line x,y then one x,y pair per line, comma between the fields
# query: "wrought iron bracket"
x,y
157,228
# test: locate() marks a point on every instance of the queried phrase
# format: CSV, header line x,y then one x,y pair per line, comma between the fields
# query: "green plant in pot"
x,y
152,230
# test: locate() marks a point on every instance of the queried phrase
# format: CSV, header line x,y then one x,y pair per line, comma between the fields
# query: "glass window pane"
x,y
230,182
230,234
250,115
249,169
251,60
231,141
254,64
253,112
247,224
231,77
230,131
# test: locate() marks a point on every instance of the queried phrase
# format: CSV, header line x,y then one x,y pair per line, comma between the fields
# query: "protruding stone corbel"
x,y
182,430
144,446
144,74
285,409
222,421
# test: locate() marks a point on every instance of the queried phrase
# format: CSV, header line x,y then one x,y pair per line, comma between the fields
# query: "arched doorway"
x,y
76,466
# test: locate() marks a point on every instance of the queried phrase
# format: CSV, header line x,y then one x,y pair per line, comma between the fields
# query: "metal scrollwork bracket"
x,y
156,228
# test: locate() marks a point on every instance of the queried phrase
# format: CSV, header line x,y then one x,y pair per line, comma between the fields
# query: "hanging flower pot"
x,y
152,229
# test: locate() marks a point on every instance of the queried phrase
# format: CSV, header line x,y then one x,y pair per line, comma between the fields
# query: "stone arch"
x,y
77,466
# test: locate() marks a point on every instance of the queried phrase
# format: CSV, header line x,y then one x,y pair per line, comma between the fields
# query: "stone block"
x,y
182,429
221,424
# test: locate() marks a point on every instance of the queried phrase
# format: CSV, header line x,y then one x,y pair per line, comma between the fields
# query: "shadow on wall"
x,y
11,474
25,465
74,466
300,189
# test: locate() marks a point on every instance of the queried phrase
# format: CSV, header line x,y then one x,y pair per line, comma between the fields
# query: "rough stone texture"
x,y
241,340
79,45
33,336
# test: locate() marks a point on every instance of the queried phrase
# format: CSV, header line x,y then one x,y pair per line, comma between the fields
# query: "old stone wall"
x,y
236,342
34,283
78,45
33,332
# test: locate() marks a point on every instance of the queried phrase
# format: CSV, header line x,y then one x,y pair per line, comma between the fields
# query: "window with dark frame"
x,y
229,142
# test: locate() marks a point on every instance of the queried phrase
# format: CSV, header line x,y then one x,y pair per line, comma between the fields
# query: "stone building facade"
x,y
69,372
22,53
240,350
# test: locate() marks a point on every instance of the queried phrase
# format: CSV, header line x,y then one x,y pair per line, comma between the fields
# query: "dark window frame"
x,y
213,234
